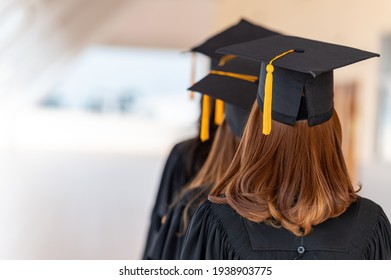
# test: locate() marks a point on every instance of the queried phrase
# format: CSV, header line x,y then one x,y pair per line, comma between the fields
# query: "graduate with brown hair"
x,y
234,83
287,193
187,157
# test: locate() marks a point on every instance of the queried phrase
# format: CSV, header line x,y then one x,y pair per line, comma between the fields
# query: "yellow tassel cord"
x,y
267,100
225,59
193,73
205,116
248,78
206,103
219,111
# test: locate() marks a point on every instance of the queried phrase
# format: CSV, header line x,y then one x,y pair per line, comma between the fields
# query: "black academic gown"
x,y
183,163
169,241
218,232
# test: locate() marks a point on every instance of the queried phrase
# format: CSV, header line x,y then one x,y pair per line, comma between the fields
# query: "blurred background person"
x,y
235,83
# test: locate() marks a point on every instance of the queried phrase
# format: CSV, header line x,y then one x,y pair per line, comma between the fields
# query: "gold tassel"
x,y
193,74
205,116
267,100
219,111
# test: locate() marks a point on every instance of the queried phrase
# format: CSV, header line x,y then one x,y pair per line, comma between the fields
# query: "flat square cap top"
x,y
235,82
310,56
238,33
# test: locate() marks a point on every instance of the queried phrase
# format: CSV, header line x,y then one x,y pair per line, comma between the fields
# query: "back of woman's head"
x,y
223,149
295,177
198,150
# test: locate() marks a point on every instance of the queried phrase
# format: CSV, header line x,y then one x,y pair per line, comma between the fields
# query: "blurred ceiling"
x,y
38,38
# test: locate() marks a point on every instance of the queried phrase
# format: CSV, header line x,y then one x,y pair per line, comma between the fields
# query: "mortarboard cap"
x,y
238,33
298,74
235,83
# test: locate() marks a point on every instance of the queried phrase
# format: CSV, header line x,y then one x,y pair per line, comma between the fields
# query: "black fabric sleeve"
x,y
168,242
381,241
205,238
372,238
173,178
183,163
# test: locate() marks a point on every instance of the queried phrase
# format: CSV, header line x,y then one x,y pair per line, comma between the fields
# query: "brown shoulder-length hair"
x,y
295,177
222,152
220,156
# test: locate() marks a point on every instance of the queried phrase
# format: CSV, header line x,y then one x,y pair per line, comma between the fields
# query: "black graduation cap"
x,y
241,32
234,82
238,33
298,74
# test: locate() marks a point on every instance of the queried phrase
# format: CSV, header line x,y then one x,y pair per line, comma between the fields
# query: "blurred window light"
x,y
150,83
384,112
115,99
11,21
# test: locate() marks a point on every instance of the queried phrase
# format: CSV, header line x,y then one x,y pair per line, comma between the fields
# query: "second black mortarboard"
x,y
235,83
297,75
238,33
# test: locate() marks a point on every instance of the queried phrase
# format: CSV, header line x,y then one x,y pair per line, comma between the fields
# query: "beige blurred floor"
x,y
76,185
75,206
